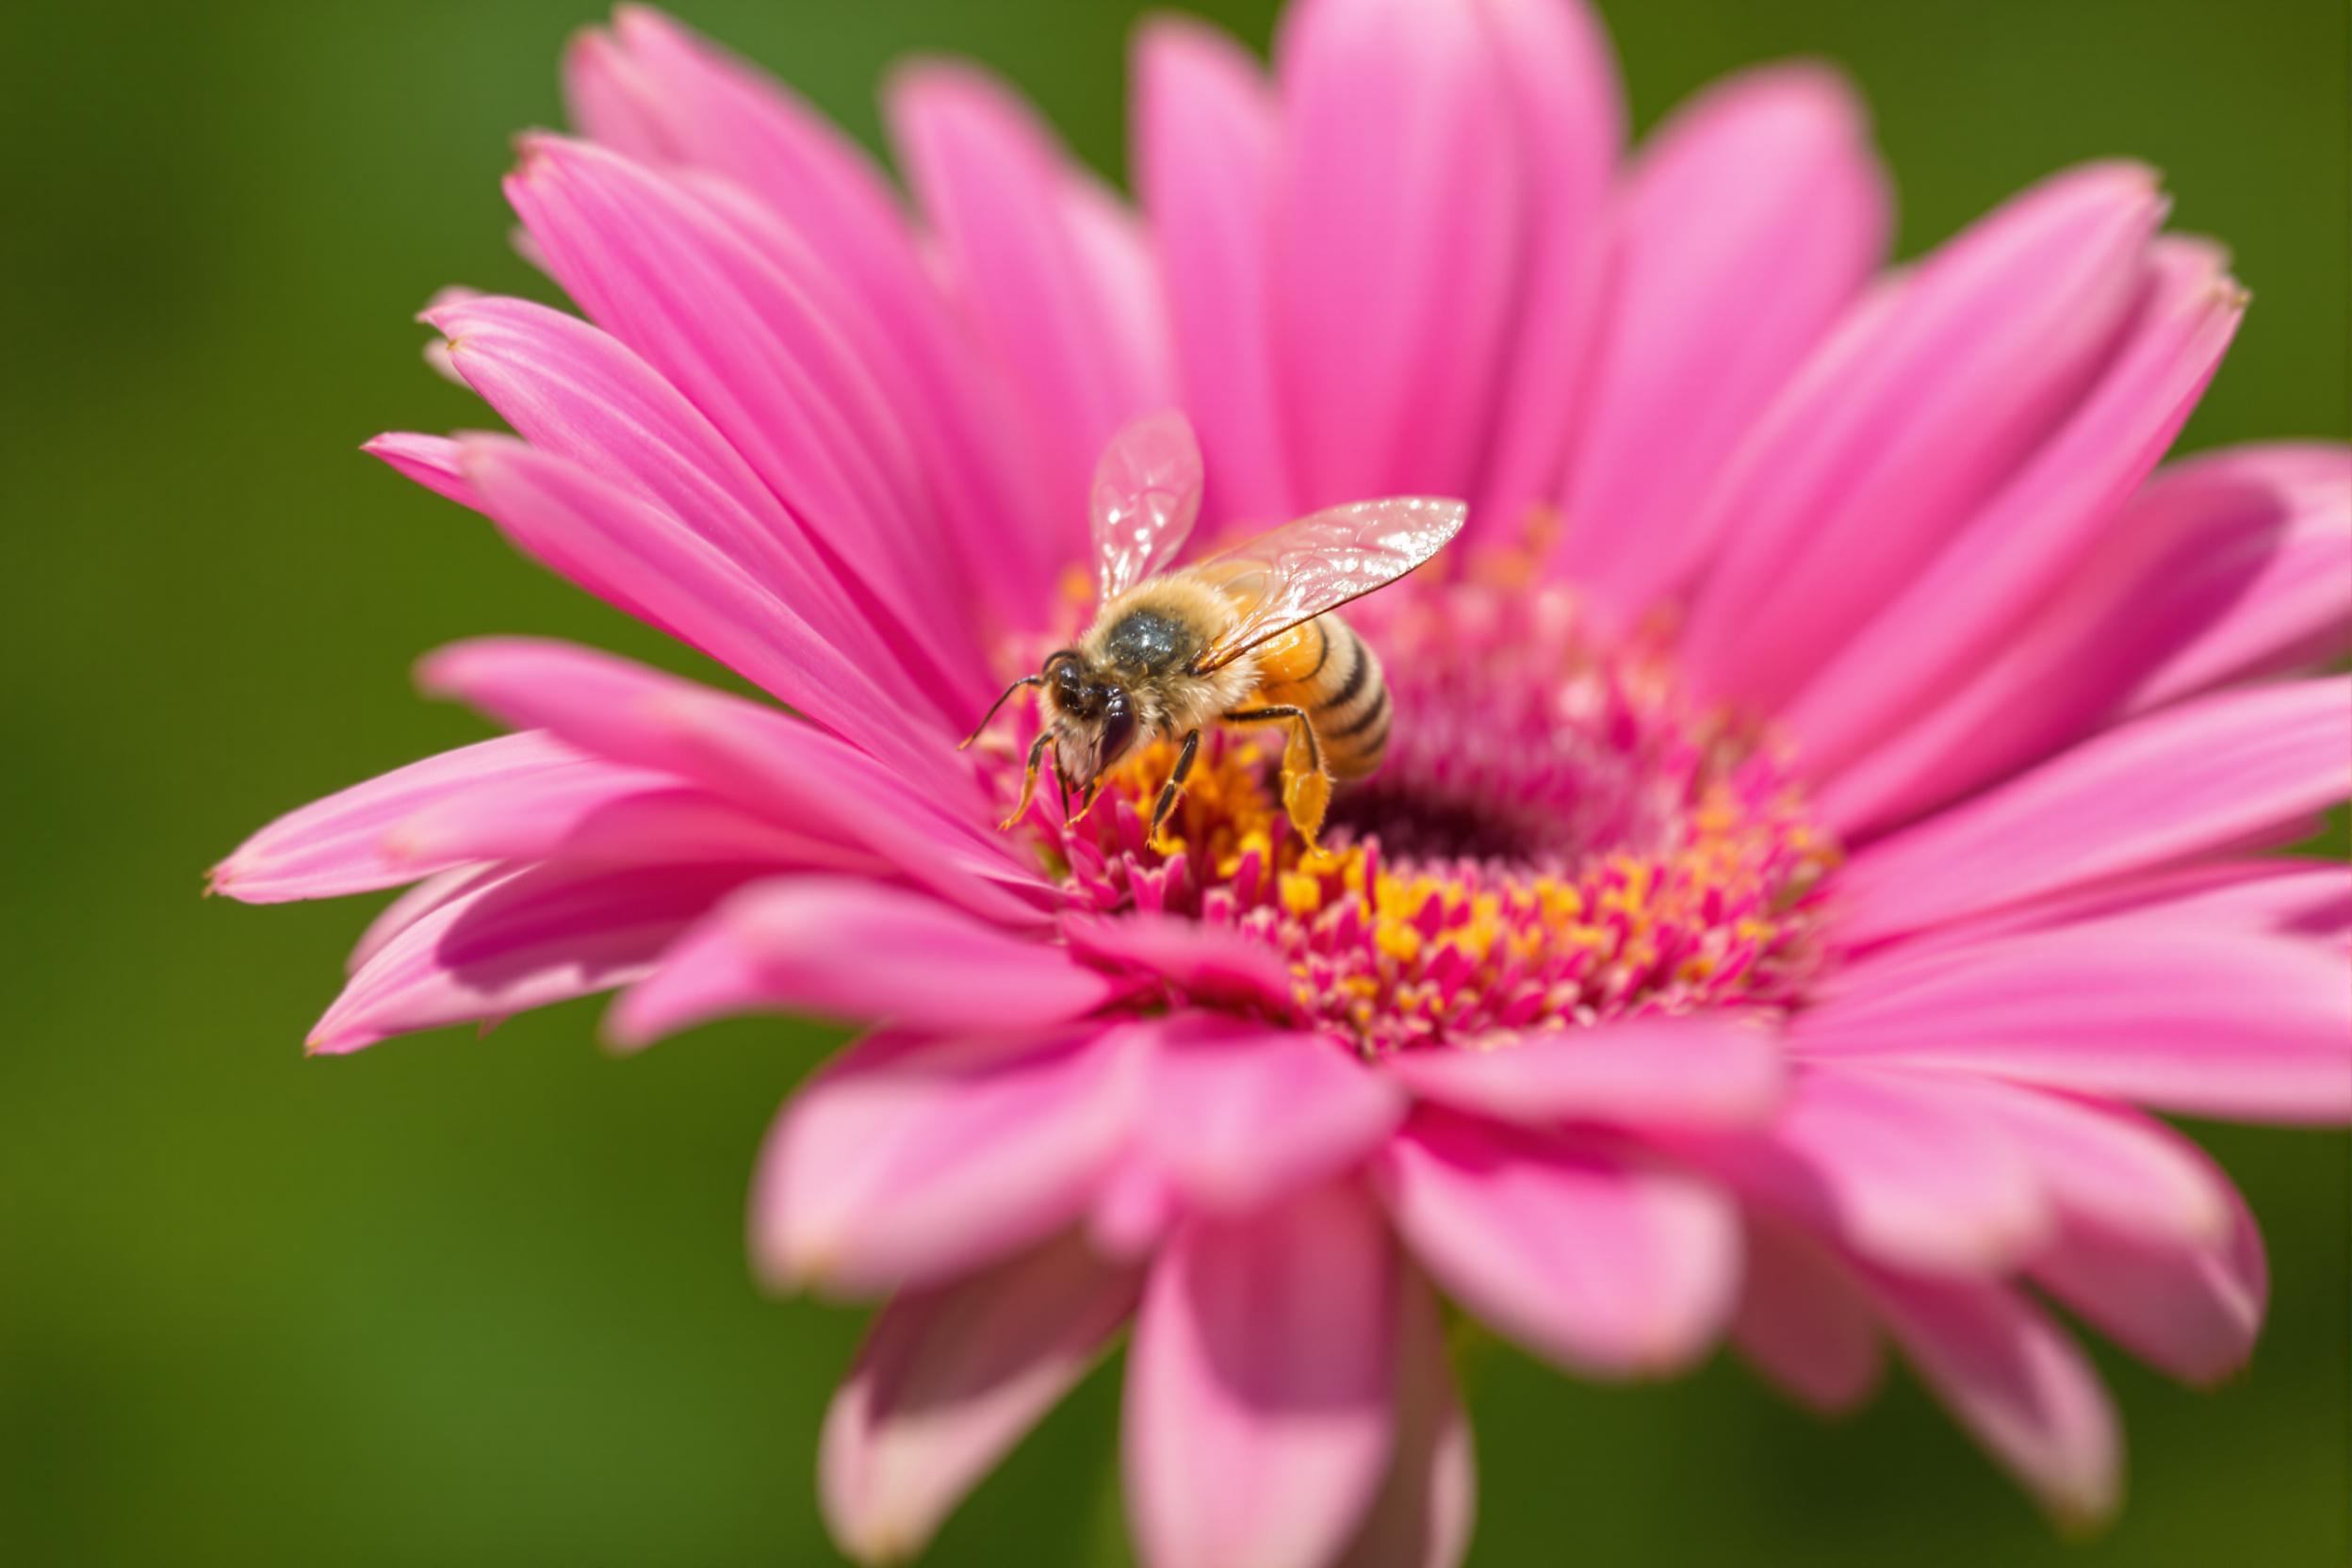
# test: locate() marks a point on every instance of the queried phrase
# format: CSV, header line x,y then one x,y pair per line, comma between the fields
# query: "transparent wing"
x,y
1147,492
1303,569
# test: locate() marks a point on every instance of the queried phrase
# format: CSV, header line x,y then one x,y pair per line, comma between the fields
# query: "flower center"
x,y
1557,835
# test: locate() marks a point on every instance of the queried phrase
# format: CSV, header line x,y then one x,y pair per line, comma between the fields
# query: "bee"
x,y
1244,637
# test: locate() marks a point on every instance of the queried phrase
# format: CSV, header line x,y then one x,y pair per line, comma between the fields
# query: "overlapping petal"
x,y
1260,1415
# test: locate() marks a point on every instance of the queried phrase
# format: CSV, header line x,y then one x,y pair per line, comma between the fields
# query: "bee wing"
x,y
1147,492
1313,565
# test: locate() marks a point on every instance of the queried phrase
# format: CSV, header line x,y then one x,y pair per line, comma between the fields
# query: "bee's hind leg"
x,y
1172,790
1028,781
1306,788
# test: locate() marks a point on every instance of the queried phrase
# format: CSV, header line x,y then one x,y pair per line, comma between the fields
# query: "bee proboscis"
x,y
1246,636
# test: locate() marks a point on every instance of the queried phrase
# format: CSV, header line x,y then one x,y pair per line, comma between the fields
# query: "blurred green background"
x,y
459,1303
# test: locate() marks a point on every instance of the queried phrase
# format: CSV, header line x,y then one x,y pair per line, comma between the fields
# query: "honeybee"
x,y
1244,637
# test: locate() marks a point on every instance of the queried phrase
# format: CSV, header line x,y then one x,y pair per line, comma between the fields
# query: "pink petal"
x,y
1204,148
1803,1320
2228,566
1750,221
2229,771
1238,1112
643,559
2196,1021
606,815
860,954
949,1380
910,1161
749,755
1697,1073
2016,1381
429,459
2288,506
1212,965
688,101
752,340
334,847
1260,1414
1610,1267
1559,84
2284,897
2033,537
510,944
1886,1165
417,903
1906,420
994,186
1423,1515
572,390
2103,1164
1400,229
2193,1309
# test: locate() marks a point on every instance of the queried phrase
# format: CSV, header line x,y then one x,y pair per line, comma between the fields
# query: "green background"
x,y
463,1303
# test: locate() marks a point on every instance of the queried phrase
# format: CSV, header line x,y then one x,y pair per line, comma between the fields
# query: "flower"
x,y
1820,825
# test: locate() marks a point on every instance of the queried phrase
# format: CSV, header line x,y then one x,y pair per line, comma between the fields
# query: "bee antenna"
x,y
965,745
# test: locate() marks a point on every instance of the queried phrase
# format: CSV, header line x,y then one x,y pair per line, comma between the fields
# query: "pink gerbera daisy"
x,y
1820,822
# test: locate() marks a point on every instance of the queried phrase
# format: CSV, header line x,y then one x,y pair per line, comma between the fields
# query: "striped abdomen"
x,y
1325,668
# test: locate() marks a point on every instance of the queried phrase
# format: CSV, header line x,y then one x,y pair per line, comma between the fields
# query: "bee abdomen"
x,y
1334,675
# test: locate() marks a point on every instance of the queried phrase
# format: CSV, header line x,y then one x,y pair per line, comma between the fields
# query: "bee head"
x,y
1099,722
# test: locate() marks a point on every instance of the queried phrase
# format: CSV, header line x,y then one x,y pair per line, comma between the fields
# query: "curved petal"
x,y
2014,1380
1560,83
1803,1319
613,817
1001,198
2225,772
2192,1309
1400,236
643,561
2291,504
662,94
2181,1019
508,943
2032,539
949,1380
334,847
1261,1407
1210,964
1423,1515
860,954
760,349
1749,224
1694,1072
1237,1113
759,760
1884,1165
2230,565
1205,145
910,1161
1906,420
429,460
1610,1267
2104,1165
571,389
2277,895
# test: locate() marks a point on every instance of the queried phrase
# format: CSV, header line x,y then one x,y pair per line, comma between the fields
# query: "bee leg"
x,y
1028,781
1174,788
1086,802
1025,681
1306,788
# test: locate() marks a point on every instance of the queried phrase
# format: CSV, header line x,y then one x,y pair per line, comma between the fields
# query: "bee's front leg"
x,y
1174,788
1028,781
1306,788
